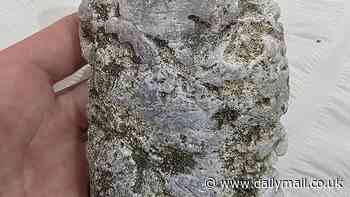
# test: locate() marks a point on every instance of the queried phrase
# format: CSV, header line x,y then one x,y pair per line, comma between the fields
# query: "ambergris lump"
x,y
185,96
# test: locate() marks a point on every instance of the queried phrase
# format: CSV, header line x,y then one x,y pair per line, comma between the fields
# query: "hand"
x,y
42,153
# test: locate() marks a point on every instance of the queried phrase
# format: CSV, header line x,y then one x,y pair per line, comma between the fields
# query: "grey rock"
x,y
182,92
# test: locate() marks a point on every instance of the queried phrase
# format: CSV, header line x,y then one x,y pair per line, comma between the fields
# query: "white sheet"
x,y
318,121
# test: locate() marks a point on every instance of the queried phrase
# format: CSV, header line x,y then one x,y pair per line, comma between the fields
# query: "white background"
x,y
318,121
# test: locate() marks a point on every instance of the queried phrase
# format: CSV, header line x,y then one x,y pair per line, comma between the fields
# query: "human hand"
x,y
42,153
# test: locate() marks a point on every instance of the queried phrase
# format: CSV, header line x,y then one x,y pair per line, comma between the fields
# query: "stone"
x,y
182,92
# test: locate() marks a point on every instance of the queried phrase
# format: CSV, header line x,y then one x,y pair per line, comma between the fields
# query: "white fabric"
x,y
318,121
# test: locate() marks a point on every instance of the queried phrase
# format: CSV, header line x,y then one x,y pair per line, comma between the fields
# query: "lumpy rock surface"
x,y
185,94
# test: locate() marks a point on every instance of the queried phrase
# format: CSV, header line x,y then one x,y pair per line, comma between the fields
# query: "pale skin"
x,y
42,153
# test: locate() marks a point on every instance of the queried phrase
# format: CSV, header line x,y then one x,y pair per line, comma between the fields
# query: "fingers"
x,y
73,102
55,50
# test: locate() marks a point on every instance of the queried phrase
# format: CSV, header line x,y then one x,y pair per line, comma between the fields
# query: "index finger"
x,y
55,50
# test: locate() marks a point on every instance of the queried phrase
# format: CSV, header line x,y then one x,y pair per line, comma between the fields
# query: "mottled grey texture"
x,y
183,91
